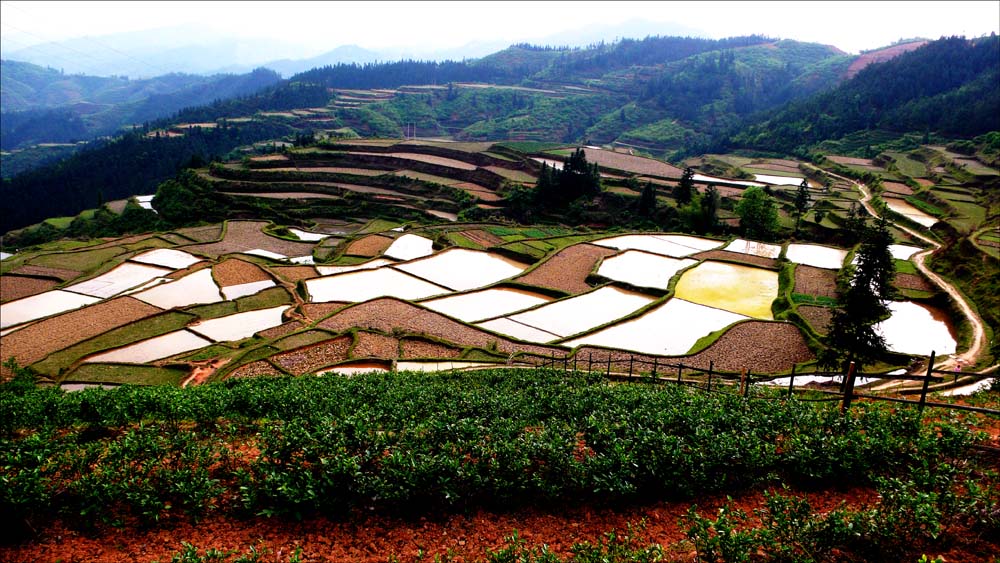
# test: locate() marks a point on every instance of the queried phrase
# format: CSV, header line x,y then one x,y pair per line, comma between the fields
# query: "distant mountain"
x,y
950,86
137,54
346,54
42,105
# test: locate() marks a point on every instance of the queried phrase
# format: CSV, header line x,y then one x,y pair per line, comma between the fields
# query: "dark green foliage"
x,y
647,200
685,188
118,102
188,199
493,438
758,214
951,86
130,165
802,199
555,189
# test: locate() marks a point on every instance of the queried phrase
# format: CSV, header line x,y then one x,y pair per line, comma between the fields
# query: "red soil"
x,y
366,538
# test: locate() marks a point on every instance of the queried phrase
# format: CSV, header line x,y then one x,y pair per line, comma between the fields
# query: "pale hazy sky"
x,y
851,26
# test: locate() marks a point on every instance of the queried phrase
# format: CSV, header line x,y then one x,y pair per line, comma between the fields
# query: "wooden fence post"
x,y
927,382
574,362
630,358
711,365
848,389
791,381
680,368
655,362
590,362
743,383
609,364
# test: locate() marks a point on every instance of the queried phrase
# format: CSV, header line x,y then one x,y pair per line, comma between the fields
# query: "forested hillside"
x,y
42,105
950,86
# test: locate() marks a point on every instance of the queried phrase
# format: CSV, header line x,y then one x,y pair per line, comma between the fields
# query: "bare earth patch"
x,y
374,345
369,246
247,235
255,369
818,317
235,272
897,188
60,274
295,273
386,314
310,358
316,311
35,342
810,280
420,348
209,233
737,257
281,330
758,346
16,287
567,270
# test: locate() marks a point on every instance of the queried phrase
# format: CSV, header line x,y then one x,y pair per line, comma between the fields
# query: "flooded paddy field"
x,y
914,328
670,329
486,304
583,312
366,284
739,289
643,269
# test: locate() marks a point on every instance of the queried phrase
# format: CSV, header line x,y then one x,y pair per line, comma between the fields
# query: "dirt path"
x,y
970,356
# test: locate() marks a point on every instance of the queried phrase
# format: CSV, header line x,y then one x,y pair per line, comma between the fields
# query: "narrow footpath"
x,y
971,355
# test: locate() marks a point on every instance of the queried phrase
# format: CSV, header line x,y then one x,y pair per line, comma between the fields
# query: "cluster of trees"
x,y
556,188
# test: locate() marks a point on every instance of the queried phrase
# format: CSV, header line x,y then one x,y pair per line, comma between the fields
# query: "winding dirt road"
x,y
970,356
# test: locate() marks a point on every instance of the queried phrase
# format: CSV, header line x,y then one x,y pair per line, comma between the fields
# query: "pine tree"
x,y
802,199
647,201
685,189
864,294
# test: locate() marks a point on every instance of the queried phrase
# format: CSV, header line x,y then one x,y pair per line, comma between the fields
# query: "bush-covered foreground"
x,y
411,443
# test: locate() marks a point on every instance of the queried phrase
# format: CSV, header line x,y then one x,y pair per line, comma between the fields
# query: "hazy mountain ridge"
x,y
54,107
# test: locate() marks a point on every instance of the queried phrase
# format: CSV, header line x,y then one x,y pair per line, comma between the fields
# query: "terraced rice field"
x,y
676,246
363,285
460,269
670,329
408,247
910,212
816,255
913,328
754,248
642,269
371,245
629,163
240,325
37,340
41,305
242,236
567,270
123,277
739,289
195,288
153,349
485,304
577,314
16,287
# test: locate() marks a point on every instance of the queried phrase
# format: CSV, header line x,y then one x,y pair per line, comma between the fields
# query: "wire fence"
x,y
630,367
